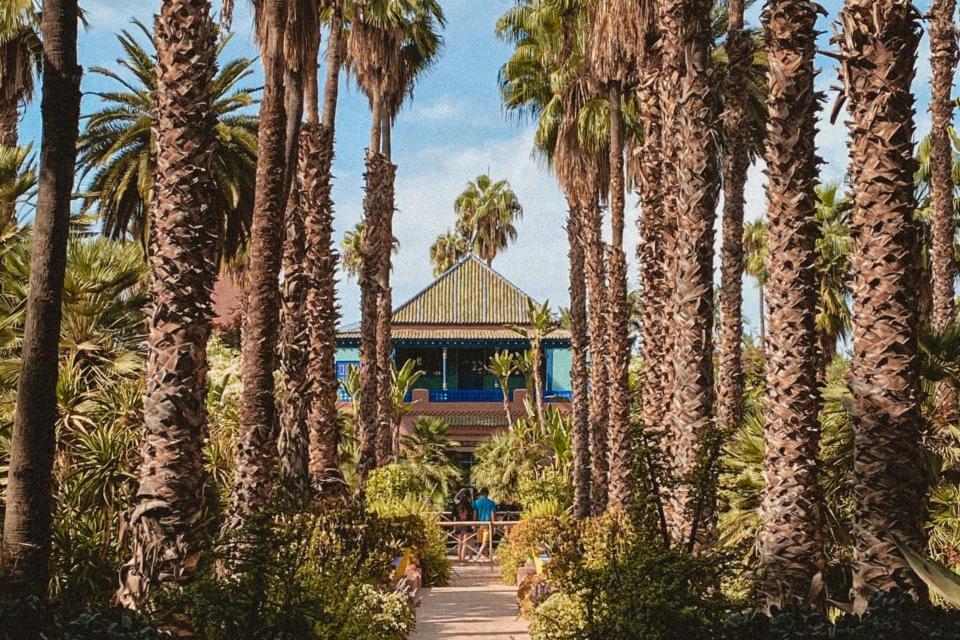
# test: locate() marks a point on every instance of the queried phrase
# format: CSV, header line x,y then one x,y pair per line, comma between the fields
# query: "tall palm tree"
x,y
503,366
391,43
258,417
547,47
317,140
20,57
293,443
943,61
167,519
689,110
616,45
789,545
118,147
889,480
542,324
486,212
447,250
26,526
736,161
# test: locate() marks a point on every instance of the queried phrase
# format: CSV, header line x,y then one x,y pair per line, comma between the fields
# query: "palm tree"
x,y
26,526
547,48
317,143
790,549
736,161
616,45
446,251
426,453
542,324
889,479
486,212
258,416
167,519
391,43
503,365
20,57
688,99
755,254
943,61
118,147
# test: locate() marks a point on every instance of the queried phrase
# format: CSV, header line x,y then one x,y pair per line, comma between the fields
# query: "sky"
x,y
453,130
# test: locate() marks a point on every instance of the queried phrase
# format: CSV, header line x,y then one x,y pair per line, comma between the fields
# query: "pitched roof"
x,y
470,292
453,334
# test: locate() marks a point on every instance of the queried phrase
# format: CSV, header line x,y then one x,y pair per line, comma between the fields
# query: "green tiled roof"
x,y
470,292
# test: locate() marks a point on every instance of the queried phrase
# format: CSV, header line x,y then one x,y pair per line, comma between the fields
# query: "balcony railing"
x,y
483,395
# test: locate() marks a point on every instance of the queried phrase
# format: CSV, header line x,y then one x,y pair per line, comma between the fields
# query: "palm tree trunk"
x,y
385,444
321,266
168,522
736,161
790,548
889,477
536,355
379,198
258,419
26,526
594,251
293,441
943,60
579,343
618,356
650,251
685,26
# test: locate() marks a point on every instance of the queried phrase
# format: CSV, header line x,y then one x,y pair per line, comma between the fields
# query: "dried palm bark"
x,y
385,418
293,442
258,419
650,251
579,343
594,251
943,61
167,523
789,544
9,121
685,29
379,185
322,311
736,161
321,265
878,45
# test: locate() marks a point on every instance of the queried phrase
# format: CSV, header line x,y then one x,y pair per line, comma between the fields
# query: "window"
x,y
430,361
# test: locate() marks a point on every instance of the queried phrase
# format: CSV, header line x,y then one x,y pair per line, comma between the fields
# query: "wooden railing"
x,y
492,528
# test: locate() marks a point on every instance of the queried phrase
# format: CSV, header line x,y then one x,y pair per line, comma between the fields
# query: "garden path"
x,y
476,604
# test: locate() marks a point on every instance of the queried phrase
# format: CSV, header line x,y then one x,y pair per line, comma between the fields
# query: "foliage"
x,y
35,619
430,553
119,150
888,617
317,574
533,536
425,453
622,583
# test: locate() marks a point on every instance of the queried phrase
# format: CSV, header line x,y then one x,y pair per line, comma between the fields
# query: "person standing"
x,y
462,512
484,508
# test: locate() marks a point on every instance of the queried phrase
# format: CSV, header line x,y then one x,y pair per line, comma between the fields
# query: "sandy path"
x,y
476,604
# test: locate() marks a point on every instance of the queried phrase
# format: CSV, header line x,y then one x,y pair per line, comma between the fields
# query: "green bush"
x,y
430,552
628,586
392,482
530,538
35,619
888,617
324,574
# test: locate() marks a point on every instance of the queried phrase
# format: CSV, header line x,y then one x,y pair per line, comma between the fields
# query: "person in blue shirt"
x,y
484,508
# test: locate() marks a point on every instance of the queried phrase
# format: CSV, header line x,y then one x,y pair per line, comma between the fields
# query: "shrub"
x,y
430,548
392,482
629,586
528,539
35,619
324,574
888,617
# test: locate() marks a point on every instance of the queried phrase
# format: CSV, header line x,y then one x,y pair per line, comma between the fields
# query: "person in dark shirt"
x,y
462,512
484,508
